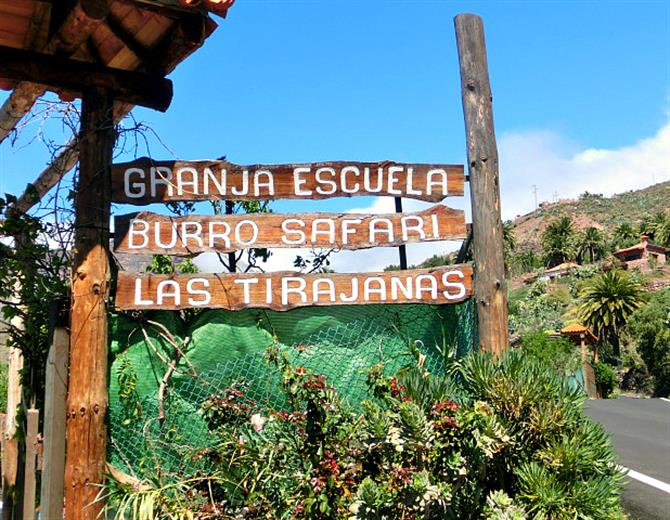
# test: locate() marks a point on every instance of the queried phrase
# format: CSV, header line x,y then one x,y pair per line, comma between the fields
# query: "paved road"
x,y
640,430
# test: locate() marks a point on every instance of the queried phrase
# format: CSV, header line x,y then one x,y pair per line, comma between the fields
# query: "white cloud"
x,y
542,158
557,166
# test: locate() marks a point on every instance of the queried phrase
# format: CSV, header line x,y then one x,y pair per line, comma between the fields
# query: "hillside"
x,y
593,210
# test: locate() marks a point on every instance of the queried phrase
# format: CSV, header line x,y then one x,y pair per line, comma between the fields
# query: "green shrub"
x,y
500,439
649,329
559,353
535,309
606,378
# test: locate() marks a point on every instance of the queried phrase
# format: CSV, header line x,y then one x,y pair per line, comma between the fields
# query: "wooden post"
x,y
55,394
232,260
402,250
10,445
30,486
487,240
87,397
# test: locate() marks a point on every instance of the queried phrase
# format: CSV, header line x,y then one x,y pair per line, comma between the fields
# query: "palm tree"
x,y
662,230
558,242
591,245
606,302
624,235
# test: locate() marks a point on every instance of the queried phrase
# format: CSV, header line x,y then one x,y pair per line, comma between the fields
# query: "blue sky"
x,y
580,90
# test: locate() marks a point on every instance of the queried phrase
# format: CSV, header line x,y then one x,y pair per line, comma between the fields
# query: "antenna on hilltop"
x,y
535,194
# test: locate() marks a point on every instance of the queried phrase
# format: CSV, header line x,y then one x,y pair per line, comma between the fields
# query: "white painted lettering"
x,y
208,178
298,290
380,290
138,293
163,291
397,287
135,190
453,285
329,232
381,225
321,180
329,290
172,226
254,232
346,230
406,227
393,179
355,188
298,182
182,182
354,292
410,183
161,175
268,184
367,180
195,233
244,189
215,236
193,291
245,283
441,184
285,229
429,287
133,231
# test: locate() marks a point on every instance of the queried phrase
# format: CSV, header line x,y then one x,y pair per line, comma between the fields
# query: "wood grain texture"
x,y
284,291
55,395
187,36
144,181
10,444
148,90
30,485
146,232
87,400
487,240
81,21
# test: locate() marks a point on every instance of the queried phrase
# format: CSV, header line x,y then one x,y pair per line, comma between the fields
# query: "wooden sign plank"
x,y
187,236
285,290
144,181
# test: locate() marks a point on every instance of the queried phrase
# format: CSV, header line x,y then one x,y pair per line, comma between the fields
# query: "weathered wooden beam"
x,y
87,401
30,487
146,232
62,163
188,35
284,291
81,21
10,444
55,396
487,241
148,90
144,181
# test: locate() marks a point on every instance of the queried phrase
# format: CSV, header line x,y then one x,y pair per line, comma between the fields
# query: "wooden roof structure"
x,y
578,331
125,41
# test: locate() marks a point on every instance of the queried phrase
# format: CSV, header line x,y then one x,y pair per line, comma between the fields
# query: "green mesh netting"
x,y
228,347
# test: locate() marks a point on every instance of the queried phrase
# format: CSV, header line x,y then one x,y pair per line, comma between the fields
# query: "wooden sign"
x,y
145,181
283,291
186,236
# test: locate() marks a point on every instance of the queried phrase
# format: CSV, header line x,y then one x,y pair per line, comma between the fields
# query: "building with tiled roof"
x,y
643,256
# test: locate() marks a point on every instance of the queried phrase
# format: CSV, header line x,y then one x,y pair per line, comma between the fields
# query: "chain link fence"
x,y
154,430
